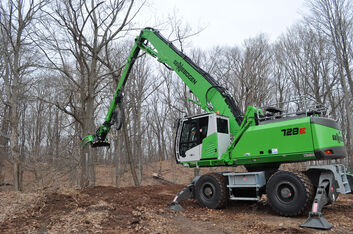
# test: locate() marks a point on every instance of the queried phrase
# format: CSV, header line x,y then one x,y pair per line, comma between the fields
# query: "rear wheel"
x,y
211,191
289,193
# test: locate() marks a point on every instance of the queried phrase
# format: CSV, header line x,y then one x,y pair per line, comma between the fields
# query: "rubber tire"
x,y
218,184
301,192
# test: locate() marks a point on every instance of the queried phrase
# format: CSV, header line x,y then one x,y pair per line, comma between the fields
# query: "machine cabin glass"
x,y
222,125
192,134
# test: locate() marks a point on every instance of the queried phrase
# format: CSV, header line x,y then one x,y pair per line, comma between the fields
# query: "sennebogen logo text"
x,y
337,137
180,68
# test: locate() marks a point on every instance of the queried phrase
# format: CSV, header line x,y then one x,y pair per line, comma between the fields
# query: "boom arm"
x,y
212,97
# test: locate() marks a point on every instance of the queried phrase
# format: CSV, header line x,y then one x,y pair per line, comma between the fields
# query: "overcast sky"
x,y
229,22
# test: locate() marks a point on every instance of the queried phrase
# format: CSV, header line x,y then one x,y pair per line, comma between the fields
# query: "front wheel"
x,y
289,193
211,191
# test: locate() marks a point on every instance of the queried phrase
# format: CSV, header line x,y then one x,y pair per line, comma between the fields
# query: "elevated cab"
x,y
201,137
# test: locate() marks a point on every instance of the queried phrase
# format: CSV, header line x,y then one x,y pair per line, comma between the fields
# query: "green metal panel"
x,y
325,137
282,141
280,158
272,139
210,147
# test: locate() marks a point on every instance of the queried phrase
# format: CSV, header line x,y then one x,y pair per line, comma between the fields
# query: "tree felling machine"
x,y
261,139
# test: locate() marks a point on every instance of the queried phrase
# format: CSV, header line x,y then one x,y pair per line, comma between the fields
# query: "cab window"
x,y
222,125
192,134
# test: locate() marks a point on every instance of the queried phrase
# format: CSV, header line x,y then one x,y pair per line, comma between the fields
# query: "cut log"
x,y
161,179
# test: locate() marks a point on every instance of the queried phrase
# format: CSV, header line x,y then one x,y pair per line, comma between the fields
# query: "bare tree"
x,y
246,72
83,33
305,58
4,138
4,115
280,77
334,18
17,18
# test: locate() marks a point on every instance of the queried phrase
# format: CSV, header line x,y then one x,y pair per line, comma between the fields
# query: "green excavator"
x,y
260,140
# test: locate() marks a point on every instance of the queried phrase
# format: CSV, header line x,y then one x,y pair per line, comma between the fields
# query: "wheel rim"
x,y
208,191
286,192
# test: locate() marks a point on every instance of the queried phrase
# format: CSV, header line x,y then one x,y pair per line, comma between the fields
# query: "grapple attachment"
x,y
95,141
104,143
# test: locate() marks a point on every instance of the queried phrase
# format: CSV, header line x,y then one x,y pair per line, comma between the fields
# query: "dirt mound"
x,y
94,209
144,210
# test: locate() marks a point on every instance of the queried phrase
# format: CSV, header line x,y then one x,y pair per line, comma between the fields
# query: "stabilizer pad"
x,y
176,206
316,220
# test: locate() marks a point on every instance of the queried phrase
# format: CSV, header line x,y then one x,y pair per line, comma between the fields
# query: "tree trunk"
x,y
1,176
56,137
91,169
140,171
15,153
17,175
117,172
129,154
3,142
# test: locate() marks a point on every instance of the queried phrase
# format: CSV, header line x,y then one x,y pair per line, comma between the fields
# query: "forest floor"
x,y
55,208
145,210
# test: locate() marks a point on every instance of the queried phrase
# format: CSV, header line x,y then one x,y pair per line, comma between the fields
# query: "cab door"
x,y
189,146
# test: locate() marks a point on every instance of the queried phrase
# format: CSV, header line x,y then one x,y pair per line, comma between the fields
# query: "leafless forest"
x,y
61,60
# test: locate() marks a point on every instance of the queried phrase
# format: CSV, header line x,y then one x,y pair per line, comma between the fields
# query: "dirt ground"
x,y
144,210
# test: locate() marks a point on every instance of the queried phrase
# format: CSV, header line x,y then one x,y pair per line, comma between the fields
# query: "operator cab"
x,y
201,137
